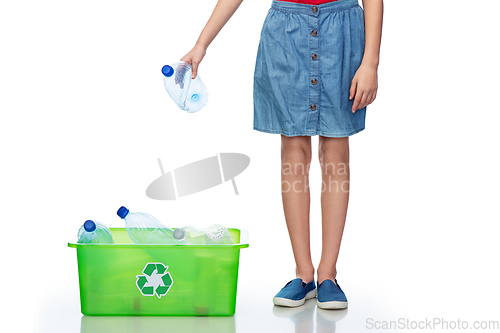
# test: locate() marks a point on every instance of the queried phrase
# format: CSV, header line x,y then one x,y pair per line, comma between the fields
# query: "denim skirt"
x,y
306,60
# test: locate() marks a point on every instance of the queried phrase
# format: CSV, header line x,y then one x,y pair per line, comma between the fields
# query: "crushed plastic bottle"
x,y
143,228
94,233
214,234
189,94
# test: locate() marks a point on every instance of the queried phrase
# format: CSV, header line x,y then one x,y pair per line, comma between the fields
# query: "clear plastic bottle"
x,y
189,94
214,234
190,235
143,228
95,233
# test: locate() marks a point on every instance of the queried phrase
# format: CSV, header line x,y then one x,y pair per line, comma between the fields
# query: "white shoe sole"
x,y
332,305
291,303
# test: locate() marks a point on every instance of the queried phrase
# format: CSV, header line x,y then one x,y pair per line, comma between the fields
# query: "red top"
x,y
309,2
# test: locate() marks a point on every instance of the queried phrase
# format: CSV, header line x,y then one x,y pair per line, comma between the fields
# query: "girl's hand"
x,y
364,87
194,57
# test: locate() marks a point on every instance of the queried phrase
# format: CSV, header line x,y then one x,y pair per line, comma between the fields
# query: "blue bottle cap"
x,y
89,226
122,212
167,70
195,98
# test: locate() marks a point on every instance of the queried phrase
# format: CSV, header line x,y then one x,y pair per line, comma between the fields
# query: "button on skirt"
x,y
306,60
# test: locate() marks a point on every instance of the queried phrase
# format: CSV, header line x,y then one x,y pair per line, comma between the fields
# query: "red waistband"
x,y
309,2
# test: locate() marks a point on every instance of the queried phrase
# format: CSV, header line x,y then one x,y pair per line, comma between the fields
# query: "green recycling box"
x,y
129,279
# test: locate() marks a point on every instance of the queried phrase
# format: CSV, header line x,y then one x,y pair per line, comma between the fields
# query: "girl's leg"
x,y
295,160
334,161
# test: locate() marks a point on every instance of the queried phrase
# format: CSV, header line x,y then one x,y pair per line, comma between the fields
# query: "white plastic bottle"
x,y
218,234
189,94
143,228
95,233
214,234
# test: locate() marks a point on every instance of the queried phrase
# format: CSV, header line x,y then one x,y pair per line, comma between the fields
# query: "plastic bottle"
x,y
189,94
190,235
95,233
214,234
218,234
143,228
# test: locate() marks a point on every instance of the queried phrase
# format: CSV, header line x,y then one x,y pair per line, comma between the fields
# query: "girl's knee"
x,y
333,154
333,150
296,149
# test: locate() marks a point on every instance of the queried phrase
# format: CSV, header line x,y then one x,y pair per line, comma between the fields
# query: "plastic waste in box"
x,y
146,229
214,234
189,94
94,232
130,279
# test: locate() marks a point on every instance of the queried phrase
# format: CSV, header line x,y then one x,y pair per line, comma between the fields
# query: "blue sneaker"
x,y
295,293
330,296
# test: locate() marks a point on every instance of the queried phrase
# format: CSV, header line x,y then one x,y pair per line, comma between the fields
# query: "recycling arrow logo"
x,y
155,281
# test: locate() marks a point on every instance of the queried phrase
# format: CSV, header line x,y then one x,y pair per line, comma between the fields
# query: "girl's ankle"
x,y
306,275
326,275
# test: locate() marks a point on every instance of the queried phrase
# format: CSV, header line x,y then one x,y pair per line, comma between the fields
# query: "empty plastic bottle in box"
x,y
189,94
214,234
95,233
190,235
143,228
218,234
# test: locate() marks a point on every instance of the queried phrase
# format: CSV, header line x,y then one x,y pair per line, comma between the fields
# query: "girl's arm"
x,y
221,14
364,84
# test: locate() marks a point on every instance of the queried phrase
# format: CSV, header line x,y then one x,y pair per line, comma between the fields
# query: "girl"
x,y
315,73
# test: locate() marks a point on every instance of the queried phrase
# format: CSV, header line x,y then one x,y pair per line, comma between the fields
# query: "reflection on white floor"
x,y
303,319
105,324
256,313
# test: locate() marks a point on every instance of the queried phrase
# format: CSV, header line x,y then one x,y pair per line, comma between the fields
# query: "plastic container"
x,y
130,279
137,324
189,94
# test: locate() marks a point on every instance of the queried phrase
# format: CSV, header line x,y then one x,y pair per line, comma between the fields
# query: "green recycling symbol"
x,y
156,280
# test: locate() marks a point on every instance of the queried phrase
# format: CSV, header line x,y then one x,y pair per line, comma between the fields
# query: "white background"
x,y
84,117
